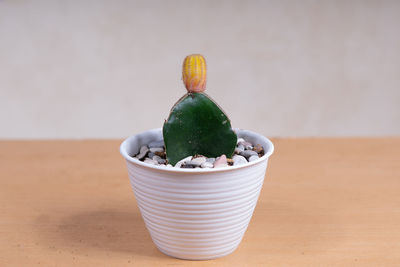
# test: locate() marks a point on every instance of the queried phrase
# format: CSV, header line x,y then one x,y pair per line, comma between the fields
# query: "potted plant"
x,y
196,181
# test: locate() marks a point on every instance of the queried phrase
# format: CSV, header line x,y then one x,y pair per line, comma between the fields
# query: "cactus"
x,y
196,124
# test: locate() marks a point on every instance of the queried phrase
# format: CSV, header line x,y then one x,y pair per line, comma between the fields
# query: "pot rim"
x,y
163,168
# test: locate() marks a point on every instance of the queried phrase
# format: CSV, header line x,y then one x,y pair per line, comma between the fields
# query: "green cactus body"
x,y
197,126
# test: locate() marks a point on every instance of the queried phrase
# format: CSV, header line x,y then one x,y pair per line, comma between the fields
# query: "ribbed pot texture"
x,y
196,214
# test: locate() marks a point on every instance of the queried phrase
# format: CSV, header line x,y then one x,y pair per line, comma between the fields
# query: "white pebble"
x,y
239,149
197,161
211,160
247,145
240,140
207,165
143,149
150,161
253,158
179,163
143,152
159,159
239,160
221,165
221,162
248,153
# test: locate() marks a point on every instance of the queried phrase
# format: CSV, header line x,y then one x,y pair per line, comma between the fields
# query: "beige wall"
x,y
84,69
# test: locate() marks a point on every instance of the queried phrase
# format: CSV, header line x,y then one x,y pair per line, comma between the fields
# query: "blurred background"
x,y
109,69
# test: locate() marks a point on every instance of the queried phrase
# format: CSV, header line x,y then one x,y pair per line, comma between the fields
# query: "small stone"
x,y
143,152
248,153
161,154
169,165
211,160
253,158
151,155
259,149
197,161
240,140
179,163
159,143
239,149
221,162
159,159
207,165
143,149
220,165
150,161
239,160
156,149
187,166
247,145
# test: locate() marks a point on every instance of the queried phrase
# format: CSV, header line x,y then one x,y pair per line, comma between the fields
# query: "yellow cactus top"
x,y
194,73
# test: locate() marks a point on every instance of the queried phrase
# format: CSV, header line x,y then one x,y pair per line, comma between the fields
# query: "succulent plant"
x,y
196,124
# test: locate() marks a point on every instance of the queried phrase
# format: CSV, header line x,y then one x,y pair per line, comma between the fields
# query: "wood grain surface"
x,y
325,202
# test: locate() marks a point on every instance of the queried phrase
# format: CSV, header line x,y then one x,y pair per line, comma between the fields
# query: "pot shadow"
x,y
292,228
107,230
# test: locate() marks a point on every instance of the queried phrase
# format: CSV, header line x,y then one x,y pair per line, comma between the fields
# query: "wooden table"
x,y
325,202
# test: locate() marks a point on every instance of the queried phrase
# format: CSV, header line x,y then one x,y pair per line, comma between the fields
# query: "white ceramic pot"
x,y
196,214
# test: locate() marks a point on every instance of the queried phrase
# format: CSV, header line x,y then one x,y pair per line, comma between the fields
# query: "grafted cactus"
x,y
196,124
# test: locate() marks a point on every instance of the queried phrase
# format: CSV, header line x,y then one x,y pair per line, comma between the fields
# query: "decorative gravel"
x,y
154,154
